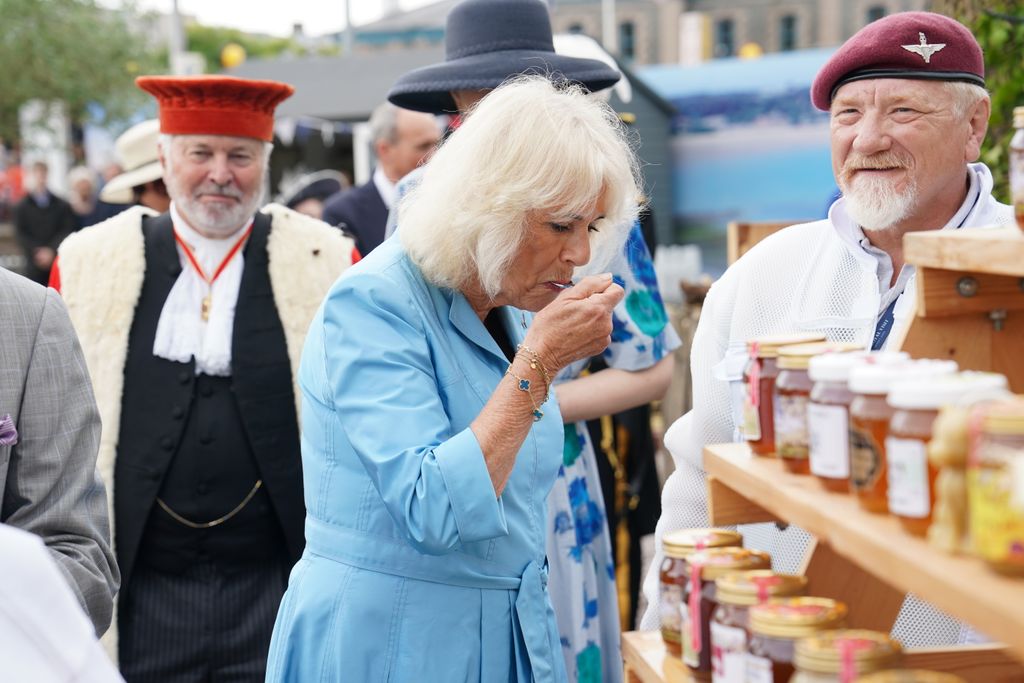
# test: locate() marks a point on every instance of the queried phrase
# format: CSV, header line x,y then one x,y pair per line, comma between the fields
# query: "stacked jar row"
x,y
862,422
732,620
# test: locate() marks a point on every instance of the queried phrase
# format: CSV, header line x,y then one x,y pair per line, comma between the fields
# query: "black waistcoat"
x,y
160,398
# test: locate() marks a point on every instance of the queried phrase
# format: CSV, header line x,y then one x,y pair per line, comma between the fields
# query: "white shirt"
x,y
387,189
181,333
45,636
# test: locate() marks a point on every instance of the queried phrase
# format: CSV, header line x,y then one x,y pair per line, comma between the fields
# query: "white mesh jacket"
x,y
812,277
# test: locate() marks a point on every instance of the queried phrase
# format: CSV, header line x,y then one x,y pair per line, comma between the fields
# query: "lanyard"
x,y
209,280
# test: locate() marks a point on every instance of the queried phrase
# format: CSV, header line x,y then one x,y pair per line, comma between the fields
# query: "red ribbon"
x,y
754,377
694,605
223,264
848,648
763,583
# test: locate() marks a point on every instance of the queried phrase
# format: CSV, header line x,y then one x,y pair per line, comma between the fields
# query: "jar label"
x,y
997,525
791,426
759,670
671,600
908,477
865,458
728,654
751,420
828,429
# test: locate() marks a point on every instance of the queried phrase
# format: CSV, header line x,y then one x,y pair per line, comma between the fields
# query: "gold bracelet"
x,y
525,385
536,364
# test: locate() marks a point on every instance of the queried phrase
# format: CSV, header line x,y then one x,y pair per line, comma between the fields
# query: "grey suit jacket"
x,y
48,480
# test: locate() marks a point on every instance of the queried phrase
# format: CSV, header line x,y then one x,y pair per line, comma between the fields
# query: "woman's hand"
x,y
577,324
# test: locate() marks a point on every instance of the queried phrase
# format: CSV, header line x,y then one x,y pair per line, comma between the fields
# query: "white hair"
x,y
528,146
384,123
964,96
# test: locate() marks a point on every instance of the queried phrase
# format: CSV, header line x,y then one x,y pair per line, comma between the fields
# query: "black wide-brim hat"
x,y
486,43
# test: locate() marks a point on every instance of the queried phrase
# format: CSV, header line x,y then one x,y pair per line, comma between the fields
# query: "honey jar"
x,y
677,546
916,404
995,484
840,656
870,414
703,568
776,626
792,396
730,623
759,384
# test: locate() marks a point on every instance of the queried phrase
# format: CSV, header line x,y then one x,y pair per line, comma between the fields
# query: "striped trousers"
x,y
208,625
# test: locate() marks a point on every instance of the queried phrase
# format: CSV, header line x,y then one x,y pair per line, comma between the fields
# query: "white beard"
x,y
876,205
218,219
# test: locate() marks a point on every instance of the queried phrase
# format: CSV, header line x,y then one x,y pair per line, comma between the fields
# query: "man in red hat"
x,y
908,115
192,323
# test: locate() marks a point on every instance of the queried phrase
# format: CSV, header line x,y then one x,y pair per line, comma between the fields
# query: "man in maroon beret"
x,y
192,322
908,115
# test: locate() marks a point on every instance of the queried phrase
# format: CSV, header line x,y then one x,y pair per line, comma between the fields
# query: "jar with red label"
x,y
730,623
841,656
676,547
759,385
703,568
776,626
870,414
995,484
916,404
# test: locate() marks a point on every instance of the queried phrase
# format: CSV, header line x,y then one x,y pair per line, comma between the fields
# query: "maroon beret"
x,y
919,45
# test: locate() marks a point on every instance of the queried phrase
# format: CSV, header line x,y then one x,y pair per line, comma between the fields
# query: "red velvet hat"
x,y
216,105
919,45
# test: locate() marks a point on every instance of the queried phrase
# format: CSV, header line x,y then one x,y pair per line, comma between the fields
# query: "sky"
x,y
275,17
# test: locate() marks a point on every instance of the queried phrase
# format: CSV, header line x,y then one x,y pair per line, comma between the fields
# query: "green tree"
x,y
70,51
210,40
999,27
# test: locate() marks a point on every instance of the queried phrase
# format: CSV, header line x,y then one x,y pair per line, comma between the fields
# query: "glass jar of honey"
x,y
677,546
703,568
870,414
916,404
1017,166
730,623
828,418
759,384
792,396
840,656
910,676
776,626
995,484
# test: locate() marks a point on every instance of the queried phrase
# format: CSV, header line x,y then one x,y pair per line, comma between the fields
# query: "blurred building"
x,y
692,31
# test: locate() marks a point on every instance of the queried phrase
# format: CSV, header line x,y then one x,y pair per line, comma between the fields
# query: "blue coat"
x,y
413,569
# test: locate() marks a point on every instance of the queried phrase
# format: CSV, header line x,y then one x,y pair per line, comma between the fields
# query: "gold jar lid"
x,y
824,652
756,586
1004,417
682,542
768,346
796,617
716,562
798,356
910,676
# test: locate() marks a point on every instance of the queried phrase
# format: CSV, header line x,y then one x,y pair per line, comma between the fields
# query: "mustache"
x,y
227,190
859,162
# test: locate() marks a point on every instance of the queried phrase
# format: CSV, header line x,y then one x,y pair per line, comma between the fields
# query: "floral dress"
x,y
581,570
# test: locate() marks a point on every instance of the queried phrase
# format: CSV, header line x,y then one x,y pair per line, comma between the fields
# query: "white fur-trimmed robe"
x,y
101,274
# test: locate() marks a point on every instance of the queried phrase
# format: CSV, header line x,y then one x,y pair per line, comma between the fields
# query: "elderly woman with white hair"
x,y
431,436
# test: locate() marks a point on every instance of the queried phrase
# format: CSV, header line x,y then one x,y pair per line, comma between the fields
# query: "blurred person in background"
x,y
41,222
139,177
487,43
308,193
402,140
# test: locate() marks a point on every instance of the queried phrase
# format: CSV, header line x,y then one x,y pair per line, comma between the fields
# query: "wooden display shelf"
x,y
647,661
998,251
877,544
